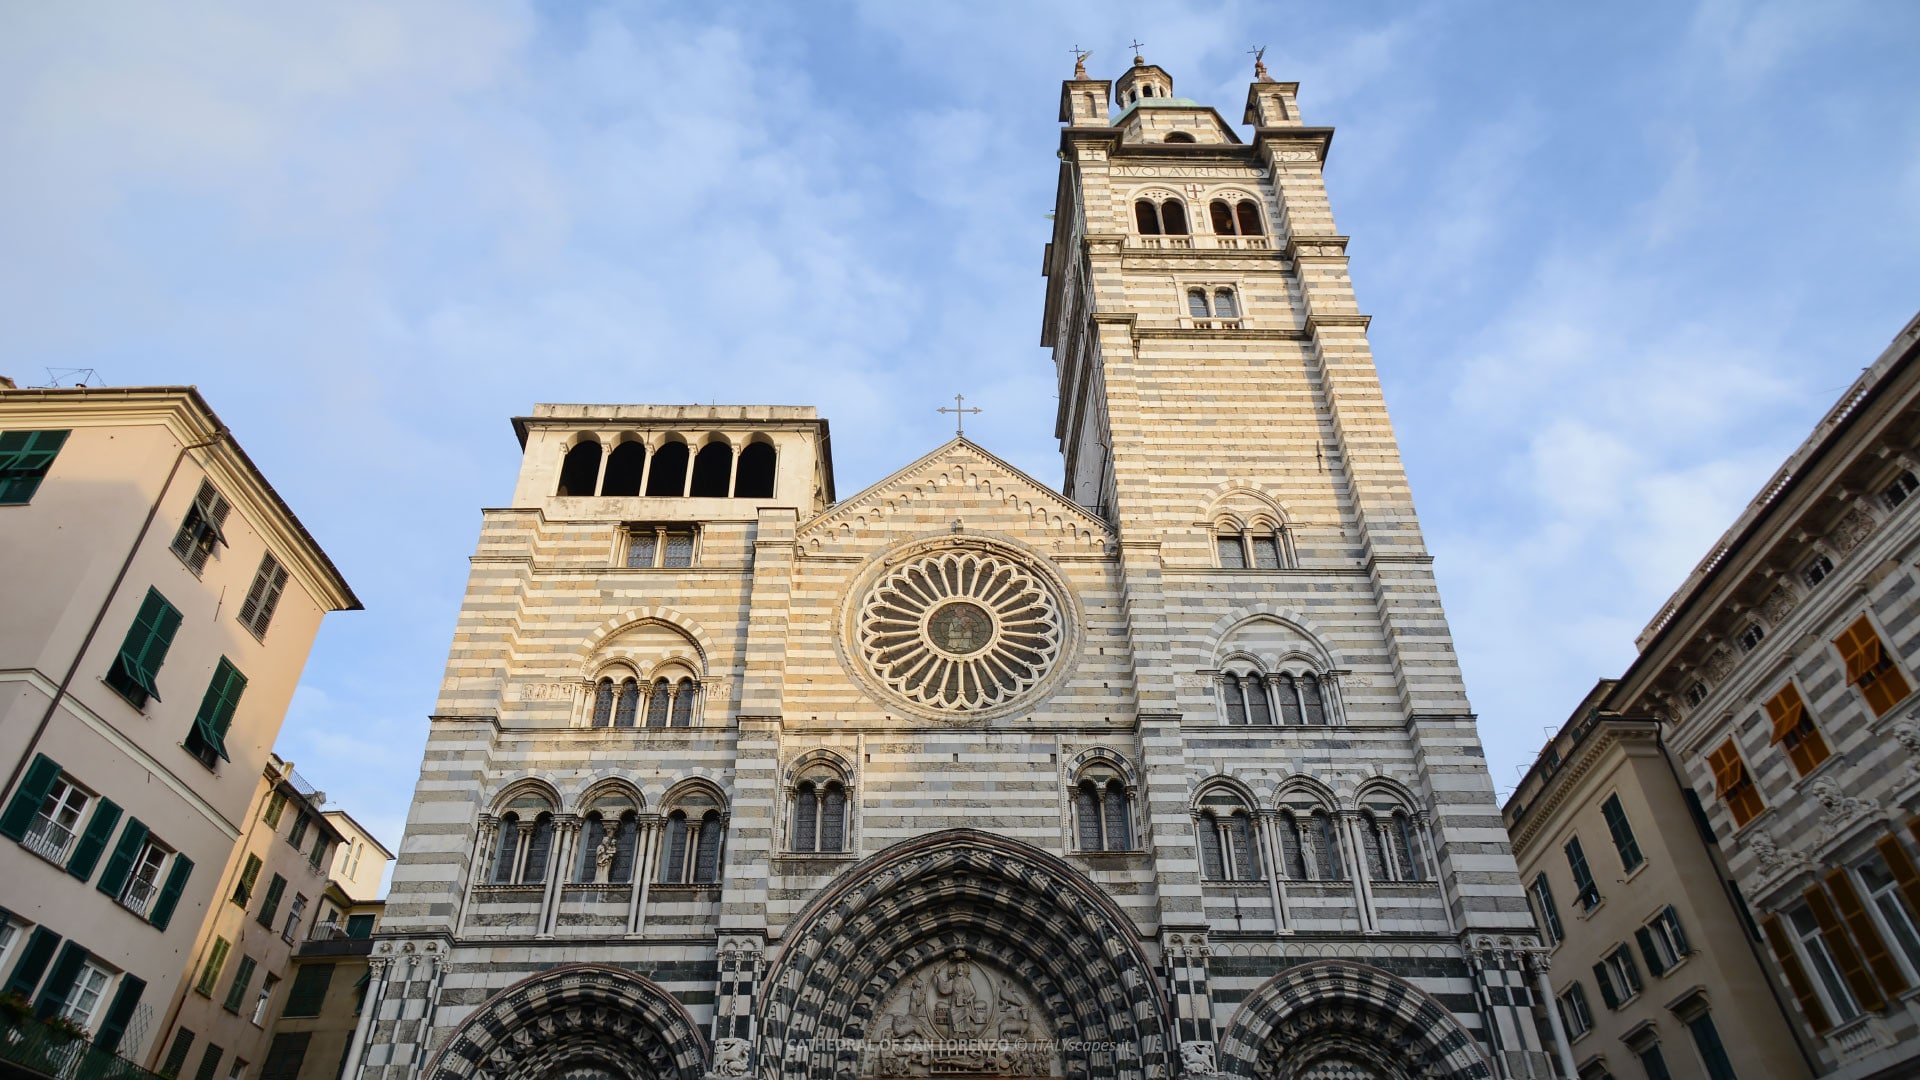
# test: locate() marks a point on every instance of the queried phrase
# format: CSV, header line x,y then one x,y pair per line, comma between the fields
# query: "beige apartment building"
x,y
1651,970
270,898
317,1024
1785,669
160,600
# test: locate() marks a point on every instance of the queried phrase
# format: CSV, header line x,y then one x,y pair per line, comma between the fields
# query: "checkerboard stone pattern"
x,y
960,834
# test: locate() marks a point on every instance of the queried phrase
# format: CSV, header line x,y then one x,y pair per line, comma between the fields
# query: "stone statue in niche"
x,y
957,1018
603,855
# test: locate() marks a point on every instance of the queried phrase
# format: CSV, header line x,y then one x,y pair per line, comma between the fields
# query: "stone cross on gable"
x,y
959,412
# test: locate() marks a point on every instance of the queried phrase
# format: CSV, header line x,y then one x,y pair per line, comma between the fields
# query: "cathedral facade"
x,y
1168,775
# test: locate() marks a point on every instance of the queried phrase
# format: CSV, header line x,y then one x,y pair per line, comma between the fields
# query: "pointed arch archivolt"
x,y
696,638
1312,646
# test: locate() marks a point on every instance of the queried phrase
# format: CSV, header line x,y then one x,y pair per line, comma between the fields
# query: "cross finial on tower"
x,y
1259,54
1080,61
959,411
1137,58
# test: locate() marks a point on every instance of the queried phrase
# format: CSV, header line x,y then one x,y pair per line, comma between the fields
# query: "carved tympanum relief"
x,y
959,1018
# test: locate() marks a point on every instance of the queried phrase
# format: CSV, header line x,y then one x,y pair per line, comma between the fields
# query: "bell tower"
x,y
1219,406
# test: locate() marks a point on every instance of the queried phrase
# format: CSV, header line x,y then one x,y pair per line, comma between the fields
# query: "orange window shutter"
x,y
1873,947
1785,708
1809,749
1860,647
1886,690
1725,763
1852,967
1904,872
1796,975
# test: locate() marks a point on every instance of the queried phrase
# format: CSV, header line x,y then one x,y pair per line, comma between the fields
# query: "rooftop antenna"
x,y
58,377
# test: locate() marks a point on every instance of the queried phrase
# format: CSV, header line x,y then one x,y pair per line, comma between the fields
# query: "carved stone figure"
x,y
1196,1059
731,1057
1837,807
957,1017
603,855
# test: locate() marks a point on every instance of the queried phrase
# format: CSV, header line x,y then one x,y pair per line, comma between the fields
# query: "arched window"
x,y
1086,811
1232,552
1326,848
1173,217
625,466
581,469
1259,709
627,713
657,704
506,851
1402,836
1302,700
1227,848
594,830
691,855
1222,215
673,866
683,695
533,868
668,477
712,471
1249,215
1147,216
1266,551
706,867
820,813
603,703
1179,137
1293,848
1213,860
1311,705
1370,844
1285,689
1119,817
1197,303
1236,702
626,841
1225,305
754,478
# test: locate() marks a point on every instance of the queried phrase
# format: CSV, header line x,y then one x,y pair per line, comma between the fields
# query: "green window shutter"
x,y
145,648
33,962
177,1054
309,990
242,979
93,840
28,797
1606,986
162,912
25,459
1645,938
209,1062
359,926
120,863
60,980
275,807
125,999
210,974
1679,932
217,707
284,1056
243,892
272,903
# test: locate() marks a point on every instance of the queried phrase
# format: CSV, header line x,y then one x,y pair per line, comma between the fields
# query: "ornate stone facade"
x,y
1170,775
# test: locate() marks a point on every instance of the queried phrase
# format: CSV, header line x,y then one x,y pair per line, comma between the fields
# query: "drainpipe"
x,y
60,692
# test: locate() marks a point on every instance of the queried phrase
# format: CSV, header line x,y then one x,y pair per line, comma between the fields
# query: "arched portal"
x,y
1336,1018
944,943
583,1021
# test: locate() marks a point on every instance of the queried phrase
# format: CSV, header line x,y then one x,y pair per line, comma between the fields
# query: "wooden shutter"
x,y
1873,948
149,639
1786,709
309,990
1654,964
86,853
53,994
210,972
271,904
126,997
33,962
1605,978
28,797
162,912
217,707
1680,941
177,1055
209,1062
1903,869
242,979
1797,981
120,863
1845,954
284,1056
249,877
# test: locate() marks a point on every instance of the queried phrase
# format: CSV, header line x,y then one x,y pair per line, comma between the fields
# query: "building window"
x,y
1793,729
242,981
1574,1012
657,547
1586,893
137,665
270,904
143,883
1890,899
1244,694
1226,845
1235,217
1326,847
1713,1055
1233,554
1618,976
210,971
1696,693
297,835
1622,831
1836,997
1896,493
1260,547
1207,307
309,991
693,847
1662,942
1302,699
56,823
1732,783
520,855
1543,905
820,812
243,889
1103,812
263,596
292,929
626,470
617,845
89,986
1654,1062
580,469
25,458
265,999
1869,669
1167,217
1816,570
207,739
1752,636
201,531
1178,137
616,702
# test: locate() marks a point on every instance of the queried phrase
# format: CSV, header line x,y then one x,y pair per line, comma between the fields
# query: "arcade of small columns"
x,y
648,843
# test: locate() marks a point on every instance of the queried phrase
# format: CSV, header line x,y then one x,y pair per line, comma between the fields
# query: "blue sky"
x,y
1619,258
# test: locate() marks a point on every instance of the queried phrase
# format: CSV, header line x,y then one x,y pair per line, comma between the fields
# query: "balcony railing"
x,y
48,839
137,896
1202,240
32,1048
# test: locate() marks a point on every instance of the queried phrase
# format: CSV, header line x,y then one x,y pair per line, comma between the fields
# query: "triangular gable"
x,y
992,494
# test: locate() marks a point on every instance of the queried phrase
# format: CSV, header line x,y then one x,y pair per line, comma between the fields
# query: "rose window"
x,y
960,630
